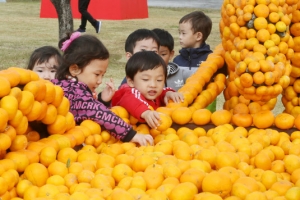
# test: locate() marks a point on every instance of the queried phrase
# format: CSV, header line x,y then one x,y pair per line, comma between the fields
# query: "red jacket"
x,y
133,101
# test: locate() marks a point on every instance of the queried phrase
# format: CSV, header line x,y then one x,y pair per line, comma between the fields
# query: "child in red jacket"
x,y
146,74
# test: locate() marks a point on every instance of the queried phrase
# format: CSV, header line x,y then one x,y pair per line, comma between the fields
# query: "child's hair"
x,y
81,51
142,61
200,23
138,35
165,38
42,55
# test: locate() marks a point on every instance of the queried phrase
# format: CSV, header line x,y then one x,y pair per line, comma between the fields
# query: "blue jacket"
x,y
192,57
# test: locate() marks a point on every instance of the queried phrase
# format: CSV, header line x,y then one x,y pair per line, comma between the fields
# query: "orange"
x,y
225,159
47,156
165,122
35,112
25,75
121,171
92,126
184,190
26,102
20,142
20,159
221,117
67,155
22,186
181,115
293,193
51,115
140,163
260,23
37,88
58,168
5,142
292,162
10,104
63,107
263,119
284,121
58,126
201,116
50,92
37,174
5,87
242,119
59,94
281,26
261,10
12,76
217,183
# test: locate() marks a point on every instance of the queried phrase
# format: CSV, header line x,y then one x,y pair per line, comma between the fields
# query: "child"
x,y
194,29
85,61
45,61
176,76
146,74
140,40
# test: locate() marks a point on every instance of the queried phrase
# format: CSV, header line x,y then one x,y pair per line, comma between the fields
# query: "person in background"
x,y
140,40
86,16
45,61
85,61
194,29
145,89
176,75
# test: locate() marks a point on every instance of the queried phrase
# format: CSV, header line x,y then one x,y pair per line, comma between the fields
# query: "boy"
x,y
145,89
140,40
176,76
194,29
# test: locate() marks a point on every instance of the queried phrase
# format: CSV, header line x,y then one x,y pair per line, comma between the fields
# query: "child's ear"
x,y
74,70
128,55
129,81
199,36
171,54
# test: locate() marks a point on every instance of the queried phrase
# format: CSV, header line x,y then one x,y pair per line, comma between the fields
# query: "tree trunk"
x,y
65,17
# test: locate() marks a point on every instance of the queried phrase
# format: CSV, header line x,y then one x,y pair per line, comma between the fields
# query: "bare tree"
x,y
65,17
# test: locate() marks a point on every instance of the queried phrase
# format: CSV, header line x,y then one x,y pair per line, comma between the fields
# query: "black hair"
x,y
81,52
165,38
200,23
142,61
42,55
138,35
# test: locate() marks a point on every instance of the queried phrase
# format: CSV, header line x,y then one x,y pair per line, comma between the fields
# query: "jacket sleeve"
x,y
132,100
90,108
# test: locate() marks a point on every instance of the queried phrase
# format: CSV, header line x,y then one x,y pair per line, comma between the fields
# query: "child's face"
x,y
144,45
187,38
165,53
92,74
149,83
46,70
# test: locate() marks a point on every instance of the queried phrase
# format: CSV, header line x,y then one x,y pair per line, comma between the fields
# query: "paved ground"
x,y
212,4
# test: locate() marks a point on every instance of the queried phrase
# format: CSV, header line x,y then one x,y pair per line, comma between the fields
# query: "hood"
x,y
172,68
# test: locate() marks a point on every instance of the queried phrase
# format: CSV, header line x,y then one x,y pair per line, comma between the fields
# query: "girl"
x,y
45,61
85,61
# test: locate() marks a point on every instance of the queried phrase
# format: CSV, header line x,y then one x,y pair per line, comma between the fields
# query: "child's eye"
x,y
53,71
145,79
40,71
159,80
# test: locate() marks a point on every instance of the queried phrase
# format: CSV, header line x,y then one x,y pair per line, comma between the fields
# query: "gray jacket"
x,y
177,75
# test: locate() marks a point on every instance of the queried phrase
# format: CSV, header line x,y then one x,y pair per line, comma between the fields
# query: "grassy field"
x,y
22,31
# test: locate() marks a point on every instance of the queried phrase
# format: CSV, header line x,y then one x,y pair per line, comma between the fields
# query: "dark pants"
x,y
85,15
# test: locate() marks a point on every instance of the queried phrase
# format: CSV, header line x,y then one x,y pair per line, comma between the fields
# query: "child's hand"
x,y
177,97
142,139
152,118
109,91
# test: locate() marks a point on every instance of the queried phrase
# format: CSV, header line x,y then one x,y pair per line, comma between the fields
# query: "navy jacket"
x,y
192,57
